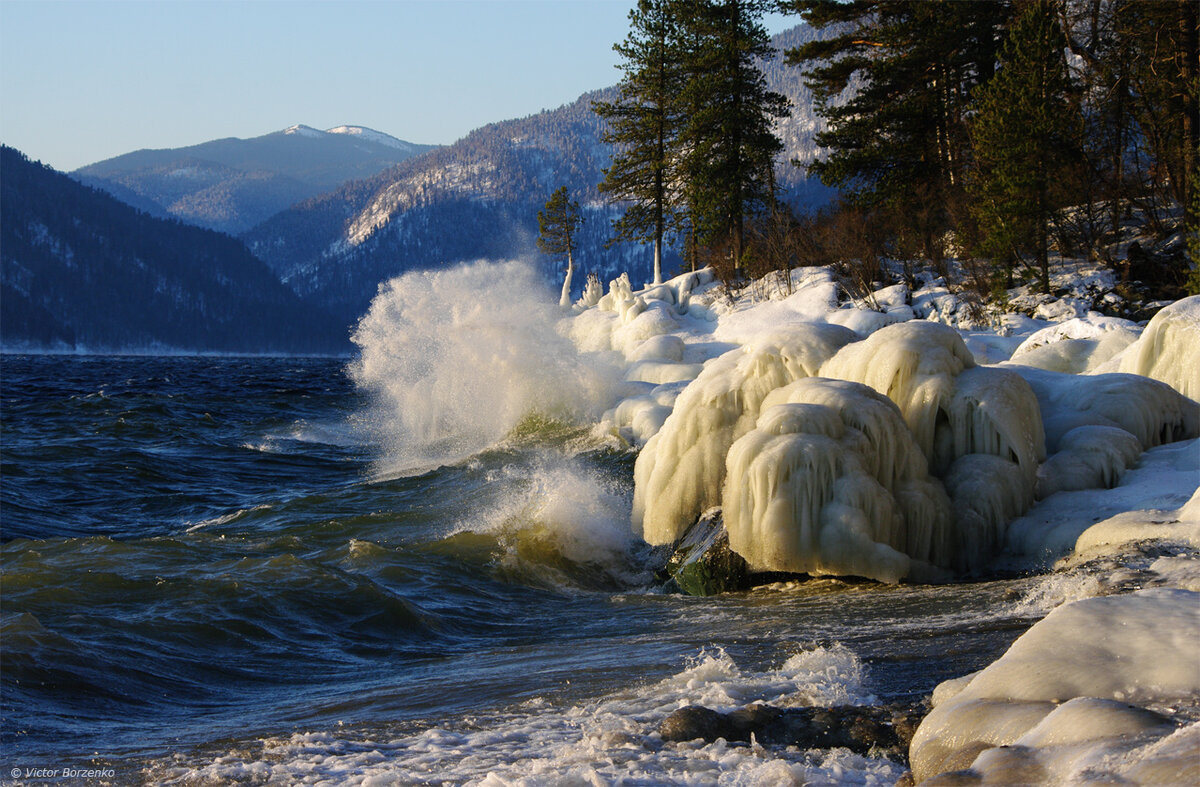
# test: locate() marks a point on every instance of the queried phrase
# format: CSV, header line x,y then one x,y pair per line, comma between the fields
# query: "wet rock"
x,y
703,564
857,728
694,721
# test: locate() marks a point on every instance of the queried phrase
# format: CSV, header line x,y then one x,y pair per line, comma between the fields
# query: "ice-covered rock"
x,y
913,364
1088,457
831,482
1080,696
979,427
1077,345
680,471
1169,348
1148,409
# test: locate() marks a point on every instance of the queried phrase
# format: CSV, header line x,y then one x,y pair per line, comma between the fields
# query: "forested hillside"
x,y
80,270
479,198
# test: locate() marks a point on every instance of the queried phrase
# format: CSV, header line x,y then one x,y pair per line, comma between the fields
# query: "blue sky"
x,y
81,81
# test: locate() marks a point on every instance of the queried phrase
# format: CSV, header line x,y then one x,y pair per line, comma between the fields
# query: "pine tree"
x,y
727,144
643,124
557,226
1025,139
898,142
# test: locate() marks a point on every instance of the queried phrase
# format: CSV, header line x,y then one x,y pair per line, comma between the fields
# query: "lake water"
x,y
207,579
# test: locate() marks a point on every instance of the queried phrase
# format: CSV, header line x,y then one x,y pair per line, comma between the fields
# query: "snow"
x,y
1076,697
1169,349
301,130
370,135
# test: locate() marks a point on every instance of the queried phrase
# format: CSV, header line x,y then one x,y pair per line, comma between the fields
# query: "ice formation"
x,y
1147,494
1169,348
680,470
1076,345
979,427
719,426
831,482
913,364
1088,457
815,485
1079,695
1148,409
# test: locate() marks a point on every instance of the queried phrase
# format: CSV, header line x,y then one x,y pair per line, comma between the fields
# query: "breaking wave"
x,y
454,359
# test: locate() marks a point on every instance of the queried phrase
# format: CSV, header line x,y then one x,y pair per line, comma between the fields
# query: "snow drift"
x,y
1079,695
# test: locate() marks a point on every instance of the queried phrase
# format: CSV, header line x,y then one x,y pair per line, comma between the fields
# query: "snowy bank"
x,y
854,441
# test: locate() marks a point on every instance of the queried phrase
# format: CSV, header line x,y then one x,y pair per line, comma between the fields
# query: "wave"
x,y
556,521
454,360
605,740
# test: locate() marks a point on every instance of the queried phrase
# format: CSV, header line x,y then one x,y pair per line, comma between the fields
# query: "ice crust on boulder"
x,y
1088,457
816,498
1150,410
831,482
1077,345
680,471
1074,696
1169,348
913,364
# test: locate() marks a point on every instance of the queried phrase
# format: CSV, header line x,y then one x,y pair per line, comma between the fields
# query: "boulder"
x,y
703,564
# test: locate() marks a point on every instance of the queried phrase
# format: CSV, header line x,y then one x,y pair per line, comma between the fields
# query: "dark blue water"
x,y
199,556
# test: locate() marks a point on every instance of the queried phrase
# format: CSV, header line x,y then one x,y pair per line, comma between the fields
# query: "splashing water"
x,y
456,358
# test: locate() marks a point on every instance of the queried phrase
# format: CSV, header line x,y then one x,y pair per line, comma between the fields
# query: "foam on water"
x,y
612,739
456,358
560,522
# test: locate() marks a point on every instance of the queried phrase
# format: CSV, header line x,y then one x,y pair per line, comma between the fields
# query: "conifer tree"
x,y
557,226
1025,137
898,142
642,124
727,144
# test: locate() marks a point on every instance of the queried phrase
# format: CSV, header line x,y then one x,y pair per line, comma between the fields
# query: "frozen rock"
x,y
1169,348
1073,697
831,482
679,473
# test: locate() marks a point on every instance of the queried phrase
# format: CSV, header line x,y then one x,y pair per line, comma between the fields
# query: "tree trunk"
x,y
1188,55
564,300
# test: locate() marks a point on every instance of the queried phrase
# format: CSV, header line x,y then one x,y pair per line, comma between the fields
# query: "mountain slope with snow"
x,y
479,198
232,184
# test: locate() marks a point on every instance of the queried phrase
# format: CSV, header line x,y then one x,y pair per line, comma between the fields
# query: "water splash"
x,y
456,358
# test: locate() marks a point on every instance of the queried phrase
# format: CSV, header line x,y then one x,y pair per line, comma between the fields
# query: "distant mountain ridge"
x,y
82,271
479,198
232,184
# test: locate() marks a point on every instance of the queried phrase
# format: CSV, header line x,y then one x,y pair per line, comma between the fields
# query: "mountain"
x,y
479,198
80,270
232,184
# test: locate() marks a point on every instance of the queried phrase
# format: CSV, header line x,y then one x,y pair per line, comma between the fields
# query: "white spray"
x,y
455,359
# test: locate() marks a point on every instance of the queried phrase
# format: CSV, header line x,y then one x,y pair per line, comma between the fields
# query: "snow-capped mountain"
x,y
232,184
479,198
371,135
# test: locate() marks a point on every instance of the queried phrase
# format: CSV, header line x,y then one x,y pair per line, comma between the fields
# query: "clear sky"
x,y
85,80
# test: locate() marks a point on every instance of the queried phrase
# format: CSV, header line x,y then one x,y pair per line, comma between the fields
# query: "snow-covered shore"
x,y
916,439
